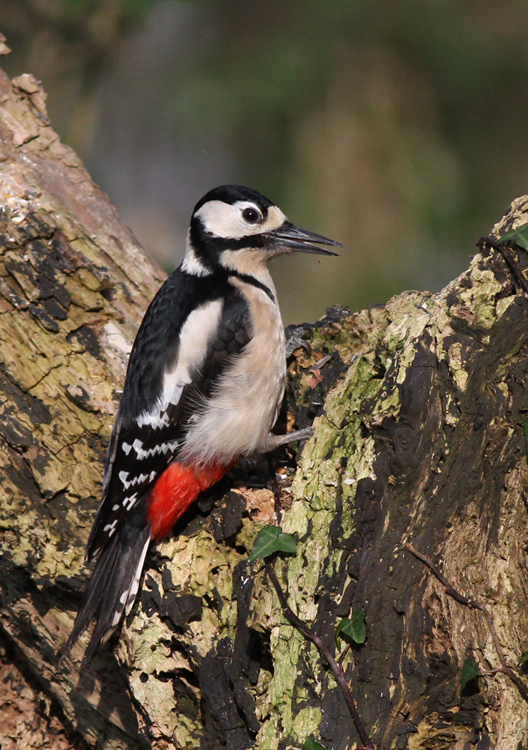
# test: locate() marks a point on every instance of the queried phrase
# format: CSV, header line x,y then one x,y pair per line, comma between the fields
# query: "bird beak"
x,y
291,237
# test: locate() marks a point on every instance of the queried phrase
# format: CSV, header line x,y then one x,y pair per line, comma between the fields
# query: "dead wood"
x,y
420,442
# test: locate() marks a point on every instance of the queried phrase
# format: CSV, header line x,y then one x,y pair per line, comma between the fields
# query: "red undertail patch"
x,y
175,490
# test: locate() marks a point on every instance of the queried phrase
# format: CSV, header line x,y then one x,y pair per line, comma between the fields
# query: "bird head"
x,y
233,224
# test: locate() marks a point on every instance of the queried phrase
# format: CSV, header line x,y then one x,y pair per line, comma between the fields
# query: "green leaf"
x,y
524,658
470,670
352,629
519,236
311,744
272,539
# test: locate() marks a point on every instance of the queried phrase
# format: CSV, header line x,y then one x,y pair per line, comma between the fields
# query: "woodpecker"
x,y
203,388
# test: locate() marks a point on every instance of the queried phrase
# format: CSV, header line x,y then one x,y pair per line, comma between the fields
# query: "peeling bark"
x,y
420,441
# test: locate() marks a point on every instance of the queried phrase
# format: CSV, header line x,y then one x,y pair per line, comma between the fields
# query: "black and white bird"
x,y
204,385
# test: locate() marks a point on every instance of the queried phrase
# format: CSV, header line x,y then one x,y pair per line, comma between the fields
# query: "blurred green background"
x,y
396,127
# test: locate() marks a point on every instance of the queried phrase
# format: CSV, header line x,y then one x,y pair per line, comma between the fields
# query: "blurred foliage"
x,y
397,128
69,14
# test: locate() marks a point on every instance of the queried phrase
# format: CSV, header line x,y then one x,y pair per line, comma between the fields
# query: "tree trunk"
x,y
421,442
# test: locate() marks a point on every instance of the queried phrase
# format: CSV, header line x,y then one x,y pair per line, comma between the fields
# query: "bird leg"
x,y
275,441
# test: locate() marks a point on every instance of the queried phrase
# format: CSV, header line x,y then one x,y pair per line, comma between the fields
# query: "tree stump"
x,y
419,408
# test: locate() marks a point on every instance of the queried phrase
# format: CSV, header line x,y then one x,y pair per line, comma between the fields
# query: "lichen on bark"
x,y
422,440
73,286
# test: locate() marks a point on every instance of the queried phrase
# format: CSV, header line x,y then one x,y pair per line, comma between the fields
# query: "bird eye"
x,y
251,215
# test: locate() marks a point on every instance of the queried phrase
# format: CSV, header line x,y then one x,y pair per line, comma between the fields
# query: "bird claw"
x,y
276,441
295,341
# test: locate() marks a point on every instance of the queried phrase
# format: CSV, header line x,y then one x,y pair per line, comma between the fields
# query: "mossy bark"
x,y
420,440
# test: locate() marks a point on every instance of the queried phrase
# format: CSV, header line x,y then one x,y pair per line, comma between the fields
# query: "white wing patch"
x,y
141,453
138,479
199,328
155,418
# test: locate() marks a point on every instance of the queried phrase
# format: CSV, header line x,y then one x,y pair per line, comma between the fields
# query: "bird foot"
x,y
275,441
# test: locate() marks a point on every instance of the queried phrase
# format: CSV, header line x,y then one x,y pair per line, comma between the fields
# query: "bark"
x,y
420,441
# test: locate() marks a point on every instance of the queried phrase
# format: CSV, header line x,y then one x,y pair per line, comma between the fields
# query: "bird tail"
x,y
114,584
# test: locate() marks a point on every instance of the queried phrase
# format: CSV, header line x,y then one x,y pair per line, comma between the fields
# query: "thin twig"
x,y
342,655
448,587
474,604
314,638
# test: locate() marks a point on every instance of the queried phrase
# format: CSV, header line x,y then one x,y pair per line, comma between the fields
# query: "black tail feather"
x,y
112,589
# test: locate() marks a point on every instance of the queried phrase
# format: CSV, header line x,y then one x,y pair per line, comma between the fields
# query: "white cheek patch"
x,y
224,220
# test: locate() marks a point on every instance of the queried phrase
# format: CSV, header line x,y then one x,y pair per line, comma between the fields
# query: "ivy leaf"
x,y
519,236
524,657
352,629
311,744
470,670
272,539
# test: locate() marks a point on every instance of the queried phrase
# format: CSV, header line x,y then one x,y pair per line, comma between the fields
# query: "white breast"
x,y
238,418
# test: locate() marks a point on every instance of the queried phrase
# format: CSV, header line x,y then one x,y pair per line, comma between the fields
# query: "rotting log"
x,y
420,441
74,284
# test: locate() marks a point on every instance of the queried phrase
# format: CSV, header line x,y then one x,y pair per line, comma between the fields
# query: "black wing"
x,y
146,439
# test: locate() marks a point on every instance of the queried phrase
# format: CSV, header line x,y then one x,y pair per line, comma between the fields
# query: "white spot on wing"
x,y
138,479
164,448
110,528
129,502
155,418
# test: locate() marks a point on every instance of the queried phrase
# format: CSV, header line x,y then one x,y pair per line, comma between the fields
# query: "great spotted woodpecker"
x,y
204,385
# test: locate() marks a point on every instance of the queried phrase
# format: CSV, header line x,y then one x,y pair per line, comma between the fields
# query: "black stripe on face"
x,y
208,247
254,282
